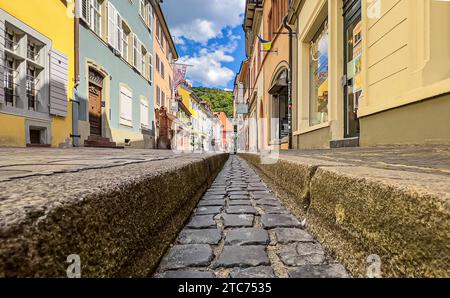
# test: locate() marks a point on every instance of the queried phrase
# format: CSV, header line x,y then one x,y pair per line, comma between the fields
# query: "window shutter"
x,y
112,19
135,51
119,34
2,63
140,57
144,112
126,106
83,11
150,16
150,67
58,83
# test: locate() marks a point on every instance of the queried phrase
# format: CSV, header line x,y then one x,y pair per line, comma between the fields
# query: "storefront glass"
x,y
318,59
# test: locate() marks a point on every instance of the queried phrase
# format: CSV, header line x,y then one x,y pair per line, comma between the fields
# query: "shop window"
x,y
318,68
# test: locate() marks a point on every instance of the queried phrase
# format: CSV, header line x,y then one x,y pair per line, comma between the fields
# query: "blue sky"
x,y
209,36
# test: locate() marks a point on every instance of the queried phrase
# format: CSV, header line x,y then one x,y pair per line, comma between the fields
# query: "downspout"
x,y
75,102
289,78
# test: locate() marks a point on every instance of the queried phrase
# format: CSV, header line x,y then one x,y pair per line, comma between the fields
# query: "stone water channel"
x,y
241,230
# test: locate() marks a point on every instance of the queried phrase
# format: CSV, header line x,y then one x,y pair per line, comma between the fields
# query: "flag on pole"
x,y
179,74
266,44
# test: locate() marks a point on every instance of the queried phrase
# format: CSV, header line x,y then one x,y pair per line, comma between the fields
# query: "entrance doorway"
x,y
352,66
95,109
279,130
95,103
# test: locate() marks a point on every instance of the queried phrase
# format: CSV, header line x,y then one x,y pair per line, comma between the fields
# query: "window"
x,y
162,70
10,75
26,71
126,106
125,41
96,16
163,98
150,16
31,87
150,67
142,9
158,62
278,11
137,53
143,61
144,112
318,68
158,96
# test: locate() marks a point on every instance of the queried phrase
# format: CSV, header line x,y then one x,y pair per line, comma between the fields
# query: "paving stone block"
x,y
319,271
216,192
191,236
239,197
268,202
240,202
253,272
241,210
205,210
242,256
238,192
302,253
202,222
270,221
247,236
234,220
203,203
213,197
191,255
291,235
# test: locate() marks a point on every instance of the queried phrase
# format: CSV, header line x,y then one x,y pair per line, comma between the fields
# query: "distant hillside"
x,y
218,99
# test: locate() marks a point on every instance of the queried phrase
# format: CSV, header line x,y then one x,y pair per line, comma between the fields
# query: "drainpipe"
x,y
75,102
291,33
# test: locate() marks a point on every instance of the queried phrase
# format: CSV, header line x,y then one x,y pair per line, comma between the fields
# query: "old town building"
x,y
363,73
36,73
164,57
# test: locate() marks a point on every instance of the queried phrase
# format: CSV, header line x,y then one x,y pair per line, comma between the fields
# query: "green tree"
x,y
219,100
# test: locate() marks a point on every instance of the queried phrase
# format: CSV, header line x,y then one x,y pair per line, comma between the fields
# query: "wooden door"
x,y
95,109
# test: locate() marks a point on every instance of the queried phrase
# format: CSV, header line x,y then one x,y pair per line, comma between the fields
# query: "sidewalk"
x,y
393,202
117,209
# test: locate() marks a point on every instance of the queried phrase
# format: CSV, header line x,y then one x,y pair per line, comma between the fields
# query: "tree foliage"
x,y
219,100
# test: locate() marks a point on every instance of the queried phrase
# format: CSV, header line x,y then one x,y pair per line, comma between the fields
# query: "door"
x,y
352,66
95,109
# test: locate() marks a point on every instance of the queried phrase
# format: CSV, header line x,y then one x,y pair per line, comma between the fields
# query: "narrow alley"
x,y
241,230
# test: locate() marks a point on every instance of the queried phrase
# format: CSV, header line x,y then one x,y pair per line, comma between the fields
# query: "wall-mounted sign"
x,y
241,108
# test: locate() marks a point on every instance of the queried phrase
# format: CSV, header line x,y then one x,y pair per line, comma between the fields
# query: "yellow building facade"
x,y
36,70
370,72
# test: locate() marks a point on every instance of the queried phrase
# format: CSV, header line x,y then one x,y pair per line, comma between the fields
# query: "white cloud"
x,y
207,68
202,20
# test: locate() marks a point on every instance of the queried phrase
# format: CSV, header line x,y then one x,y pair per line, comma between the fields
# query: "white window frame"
x,y
143,60
93,12
126,117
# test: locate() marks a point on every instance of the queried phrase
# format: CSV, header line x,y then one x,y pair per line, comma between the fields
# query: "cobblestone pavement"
x,y
241,230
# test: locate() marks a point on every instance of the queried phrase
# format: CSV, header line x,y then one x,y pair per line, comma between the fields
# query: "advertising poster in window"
x,y
357,54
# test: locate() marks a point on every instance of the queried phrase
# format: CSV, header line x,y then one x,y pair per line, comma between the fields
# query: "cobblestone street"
x,y
241,230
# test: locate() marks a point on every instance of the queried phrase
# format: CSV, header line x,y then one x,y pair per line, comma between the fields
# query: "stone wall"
x,y
119,220
356,211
